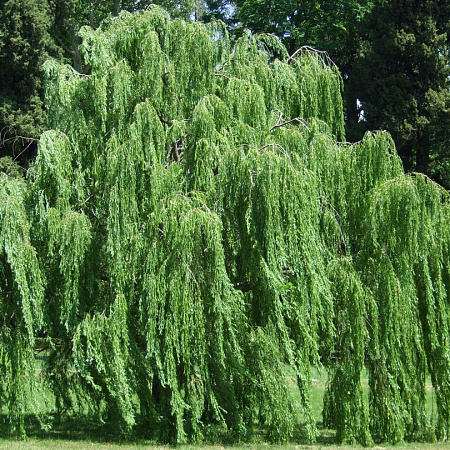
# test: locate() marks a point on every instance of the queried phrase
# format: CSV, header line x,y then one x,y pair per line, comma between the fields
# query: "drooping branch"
x,y
162,119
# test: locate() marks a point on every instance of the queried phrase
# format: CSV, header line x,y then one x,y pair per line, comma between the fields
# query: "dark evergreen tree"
x,y
401,78
325,25
25,43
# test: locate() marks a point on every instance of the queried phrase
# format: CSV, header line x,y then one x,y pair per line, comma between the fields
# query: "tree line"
x,y
393,57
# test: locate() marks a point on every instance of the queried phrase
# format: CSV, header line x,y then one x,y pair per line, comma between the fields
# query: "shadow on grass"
x,y
72,428
82,428
325,437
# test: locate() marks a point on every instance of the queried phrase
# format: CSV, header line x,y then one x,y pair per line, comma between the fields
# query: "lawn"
x,y
79,434
67,444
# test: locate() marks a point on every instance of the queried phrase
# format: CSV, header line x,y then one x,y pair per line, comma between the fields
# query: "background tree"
x,y
401,78
324,25
25,43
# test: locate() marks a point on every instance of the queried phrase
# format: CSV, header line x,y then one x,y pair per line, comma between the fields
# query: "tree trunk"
x,y
116,7
91,13
77,62
423,155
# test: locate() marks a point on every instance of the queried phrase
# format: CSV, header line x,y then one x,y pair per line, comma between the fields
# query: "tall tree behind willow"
x,y
401,78
25,43
195,223
325,25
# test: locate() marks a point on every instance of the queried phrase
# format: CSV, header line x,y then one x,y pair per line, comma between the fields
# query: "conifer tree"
x,y
401,77
25,43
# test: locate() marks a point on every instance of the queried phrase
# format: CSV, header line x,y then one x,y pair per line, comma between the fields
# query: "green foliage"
x,y
21,303
410,289
325,25
25,43
402,81
394,60
344,408
193,223
9,167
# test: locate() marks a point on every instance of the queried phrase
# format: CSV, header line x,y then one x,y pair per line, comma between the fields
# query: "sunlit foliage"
x,y
194,224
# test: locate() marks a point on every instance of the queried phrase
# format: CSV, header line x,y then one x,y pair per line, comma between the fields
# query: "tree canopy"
x,y
403,46
401,77
25,43
195,223
394,60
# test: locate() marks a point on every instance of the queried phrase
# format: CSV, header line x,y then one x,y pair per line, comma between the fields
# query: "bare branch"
x,y
24,150
24,141
295,119
162,119
307,48
279,118
221,75
274,145
177,146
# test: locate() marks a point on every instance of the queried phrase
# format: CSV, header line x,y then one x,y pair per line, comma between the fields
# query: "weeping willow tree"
x,y
195,226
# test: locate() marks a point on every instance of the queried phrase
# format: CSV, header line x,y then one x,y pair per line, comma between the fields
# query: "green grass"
x,y
51,444
84,434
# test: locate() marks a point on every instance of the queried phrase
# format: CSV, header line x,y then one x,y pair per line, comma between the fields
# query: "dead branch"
x,y
221,75
295,119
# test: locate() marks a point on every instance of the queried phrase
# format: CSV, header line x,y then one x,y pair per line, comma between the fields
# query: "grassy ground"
x,y
79,435
53,444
